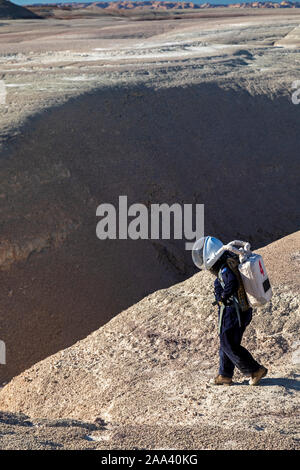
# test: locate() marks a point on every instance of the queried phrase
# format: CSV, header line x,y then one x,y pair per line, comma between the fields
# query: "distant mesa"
x,y
161,5
144,10
10,11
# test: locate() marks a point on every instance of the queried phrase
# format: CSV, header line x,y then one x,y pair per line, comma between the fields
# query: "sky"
x,y
215,2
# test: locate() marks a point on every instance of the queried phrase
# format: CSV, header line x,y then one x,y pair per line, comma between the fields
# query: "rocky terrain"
x,y
168,111
142,380
77,91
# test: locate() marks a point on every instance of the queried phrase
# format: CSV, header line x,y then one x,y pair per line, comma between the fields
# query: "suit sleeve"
x,y
218,290
230,284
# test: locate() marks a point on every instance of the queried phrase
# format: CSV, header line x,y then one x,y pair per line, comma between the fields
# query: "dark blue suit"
x,y
232,327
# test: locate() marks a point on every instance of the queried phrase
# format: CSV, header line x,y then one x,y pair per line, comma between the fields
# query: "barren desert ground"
x,y
46,61
195,110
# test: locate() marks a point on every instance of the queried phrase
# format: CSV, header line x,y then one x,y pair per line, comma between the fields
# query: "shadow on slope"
x,y
9,10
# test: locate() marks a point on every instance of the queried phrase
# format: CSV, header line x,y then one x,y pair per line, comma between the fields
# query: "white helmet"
x,y
206,251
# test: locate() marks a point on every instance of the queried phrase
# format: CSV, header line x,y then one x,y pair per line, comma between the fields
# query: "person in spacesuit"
x,y
232,321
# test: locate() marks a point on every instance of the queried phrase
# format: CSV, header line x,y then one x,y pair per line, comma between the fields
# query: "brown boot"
x,y
221,380
257,375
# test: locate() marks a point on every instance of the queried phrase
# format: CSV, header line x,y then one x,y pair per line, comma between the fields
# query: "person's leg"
x,y
226,366
230,343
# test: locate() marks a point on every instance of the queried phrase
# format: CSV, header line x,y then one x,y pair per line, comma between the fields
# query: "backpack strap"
x,y
237,309
233,264
222,306
220,277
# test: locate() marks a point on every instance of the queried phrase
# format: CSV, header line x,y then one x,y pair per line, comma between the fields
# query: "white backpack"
x,y
253,274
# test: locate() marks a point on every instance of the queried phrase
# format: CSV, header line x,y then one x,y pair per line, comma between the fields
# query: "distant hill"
x,y
151,9
143,9
164,5
11,11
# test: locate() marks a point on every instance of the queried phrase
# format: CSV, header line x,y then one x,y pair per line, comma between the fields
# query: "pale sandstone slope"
x,y
292,39
148,369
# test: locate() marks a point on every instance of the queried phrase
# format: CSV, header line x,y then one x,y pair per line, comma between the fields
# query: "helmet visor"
x,y
197,253
206,252
211,248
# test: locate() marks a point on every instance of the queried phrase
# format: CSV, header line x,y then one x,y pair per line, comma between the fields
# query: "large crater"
x,y
234,152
